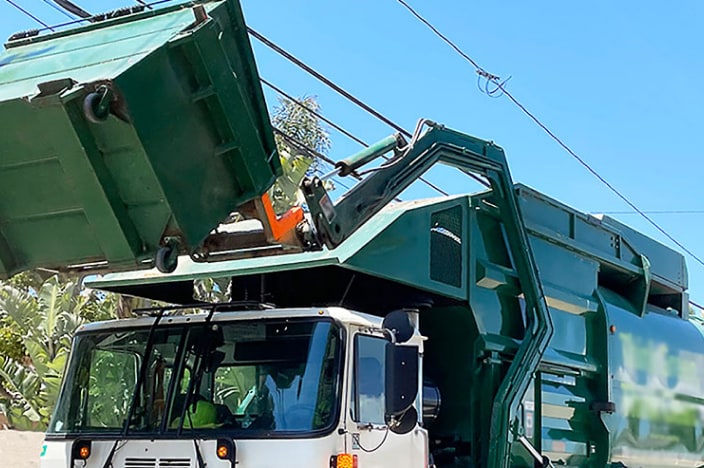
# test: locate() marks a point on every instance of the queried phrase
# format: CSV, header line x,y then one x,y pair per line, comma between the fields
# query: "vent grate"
x,y
446,246
160,463
140,463
174,463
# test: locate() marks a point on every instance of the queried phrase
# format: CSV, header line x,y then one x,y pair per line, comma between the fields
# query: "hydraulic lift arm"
x,y
335,222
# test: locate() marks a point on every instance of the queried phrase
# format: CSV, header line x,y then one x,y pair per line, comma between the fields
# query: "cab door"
x,y
370,437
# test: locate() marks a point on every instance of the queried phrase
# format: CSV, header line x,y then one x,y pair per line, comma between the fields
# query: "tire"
x,y
166,259
90,108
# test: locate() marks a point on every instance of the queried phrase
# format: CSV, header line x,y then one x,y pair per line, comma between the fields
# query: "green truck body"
x,y
620,381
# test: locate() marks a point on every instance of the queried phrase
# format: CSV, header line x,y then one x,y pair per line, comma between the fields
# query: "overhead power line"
x,y
657,212
29,14
500,86
298,62
336,180
299,145
443,37
302,147
328,82
313,112
60,10
83,19
337,127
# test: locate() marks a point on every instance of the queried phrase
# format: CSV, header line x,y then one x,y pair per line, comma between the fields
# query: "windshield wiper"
x,y
200,349
194,384
140,380
108,461
142,371
199,456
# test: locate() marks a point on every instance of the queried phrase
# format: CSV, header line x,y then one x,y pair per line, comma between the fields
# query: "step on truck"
x,y
495,329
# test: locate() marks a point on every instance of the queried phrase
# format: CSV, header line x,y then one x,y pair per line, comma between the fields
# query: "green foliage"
x,y
295,121
98,306
11,344
112,379
20,395
38,321
304,127
211,290
26,281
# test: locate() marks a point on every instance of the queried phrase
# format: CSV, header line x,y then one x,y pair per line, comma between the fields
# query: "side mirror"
x,y
404,423
401,379
400,323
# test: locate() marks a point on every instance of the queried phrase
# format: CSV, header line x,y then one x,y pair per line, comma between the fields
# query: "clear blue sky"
x,y
620,82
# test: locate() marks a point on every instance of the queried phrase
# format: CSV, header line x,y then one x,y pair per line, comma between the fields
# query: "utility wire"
x,y
83,20
336,180
313,112
328,82
602,179
499,85
60,25
658,212
339,128
60,10
446,39
29,14
299,145
296,61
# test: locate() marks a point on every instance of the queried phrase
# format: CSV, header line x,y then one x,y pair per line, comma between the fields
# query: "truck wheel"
x,y
91,108
166,259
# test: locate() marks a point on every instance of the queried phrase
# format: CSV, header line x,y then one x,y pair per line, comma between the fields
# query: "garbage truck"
x,y
495,329
498,329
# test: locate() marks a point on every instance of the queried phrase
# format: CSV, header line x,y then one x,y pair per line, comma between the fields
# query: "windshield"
x,y
246,376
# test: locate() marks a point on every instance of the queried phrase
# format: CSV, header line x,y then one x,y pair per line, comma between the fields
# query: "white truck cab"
x,y
255,388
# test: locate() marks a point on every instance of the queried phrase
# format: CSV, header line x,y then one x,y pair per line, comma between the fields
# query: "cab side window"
x,y
369,399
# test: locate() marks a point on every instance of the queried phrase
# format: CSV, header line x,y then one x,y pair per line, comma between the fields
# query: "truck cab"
x,y
220,387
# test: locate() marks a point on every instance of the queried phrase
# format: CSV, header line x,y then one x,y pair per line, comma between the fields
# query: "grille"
x,y
140,462
158,463
175,462
446,246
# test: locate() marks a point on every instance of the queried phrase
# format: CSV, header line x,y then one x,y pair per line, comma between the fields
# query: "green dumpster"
x,y
129,135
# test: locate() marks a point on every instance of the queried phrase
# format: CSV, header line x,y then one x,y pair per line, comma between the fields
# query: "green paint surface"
x,y
189,141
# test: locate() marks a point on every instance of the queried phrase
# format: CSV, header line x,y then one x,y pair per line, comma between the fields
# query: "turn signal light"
x,y
81,450
343,460
225,450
